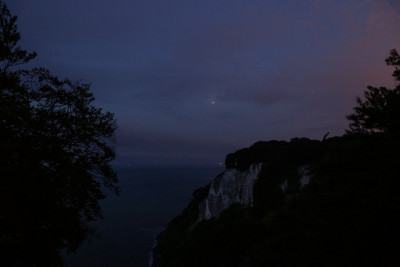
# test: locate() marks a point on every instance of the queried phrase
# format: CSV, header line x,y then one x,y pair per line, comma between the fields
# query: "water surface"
x,y
149,199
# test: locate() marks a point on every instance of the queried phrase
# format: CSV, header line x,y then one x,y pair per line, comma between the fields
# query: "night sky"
x,y
191,81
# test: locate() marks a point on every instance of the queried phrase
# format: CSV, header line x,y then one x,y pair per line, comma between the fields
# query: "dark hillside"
x,y
347,214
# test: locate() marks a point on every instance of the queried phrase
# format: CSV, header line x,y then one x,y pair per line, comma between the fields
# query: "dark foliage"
x,y
54,159
10,53
380,111
299,149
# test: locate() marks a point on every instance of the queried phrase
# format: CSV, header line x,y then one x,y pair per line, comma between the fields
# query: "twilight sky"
x,y
193,80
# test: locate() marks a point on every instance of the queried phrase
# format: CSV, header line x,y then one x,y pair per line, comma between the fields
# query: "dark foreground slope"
x,y
348,214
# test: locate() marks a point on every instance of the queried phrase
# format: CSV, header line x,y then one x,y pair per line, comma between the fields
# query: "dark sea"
x,y
149,199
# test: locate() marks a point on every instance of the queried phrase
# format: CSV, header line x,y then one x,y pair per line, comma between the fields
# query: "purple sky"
x,y
190,81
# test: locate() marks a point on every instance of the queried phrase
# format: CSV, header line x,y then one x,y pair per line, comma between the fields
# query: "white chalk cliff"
x,y
233,186
304,176
304,179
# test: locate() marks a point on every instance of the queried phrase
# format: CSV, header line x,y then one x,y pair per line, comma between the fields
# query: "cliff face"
x,y
233,186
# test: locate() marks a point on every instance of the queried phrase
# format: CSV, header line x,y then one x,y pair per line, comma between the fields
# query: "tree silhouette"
x,y
10,53
380,111
55,154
